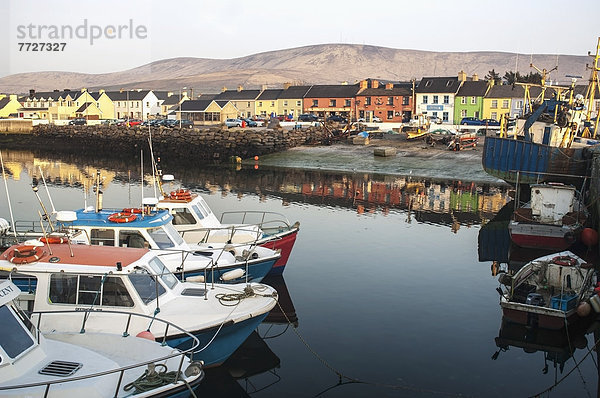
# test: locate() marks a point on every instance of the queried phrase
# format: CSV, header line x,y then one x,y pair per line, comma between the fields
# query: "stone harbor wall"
x,y
195,145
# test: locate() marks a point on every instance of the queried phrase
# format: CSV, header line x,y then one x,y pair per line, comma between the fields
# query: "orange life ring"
x,y
180,194
25,254
121,217
132,210
565,261
53,239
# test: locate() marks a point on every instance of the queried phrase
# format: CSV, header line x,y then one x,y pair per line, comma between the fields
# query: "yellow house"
x,y
267,103
104,104
499,100
289,102
52,105
9,105
206,111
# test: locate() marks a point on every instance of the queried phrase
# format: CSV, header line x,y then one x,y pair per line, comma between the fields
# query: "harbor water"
x,y
390,289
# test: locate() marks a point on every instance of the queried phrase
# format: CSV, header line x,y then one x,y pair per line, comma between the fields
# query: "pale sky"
x,y
235,28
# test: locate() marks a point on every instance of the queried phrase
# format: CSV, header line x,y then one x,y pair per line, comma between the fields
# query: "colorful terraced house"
x,y
469,99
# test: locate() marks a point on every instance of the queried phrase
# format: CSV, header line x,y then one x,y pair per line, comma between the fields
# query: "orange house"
x,y
389,103
331,99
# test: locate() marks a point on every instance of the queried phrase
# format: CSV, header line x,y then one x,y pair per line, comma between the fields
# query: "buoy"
x,y
589,237
233,274
584,309
256,157
146,334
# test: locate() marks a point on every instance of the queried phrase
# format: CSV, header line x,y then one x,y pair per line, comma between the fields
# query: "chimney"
x,y
462,76
101,91
491,82
363,84
83,89
389,86
240,88
475,77
224,89
345,83
32,93
55,90
375,83
287,85
12,97
263,87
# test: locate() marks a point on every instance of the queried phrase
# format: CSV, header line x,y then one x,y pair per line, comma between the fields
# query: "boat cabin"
x,y
551,202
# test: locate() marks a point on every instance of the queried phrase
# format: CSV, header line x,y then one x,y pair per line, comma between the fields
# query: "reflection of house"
x,y
469,99
329,99
435,96
243,100
390,102
266,102
206,111
9,105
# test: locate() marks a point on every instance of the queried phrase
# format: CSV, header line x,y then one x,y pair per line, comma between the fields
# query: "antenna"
x,y
47,192
12,220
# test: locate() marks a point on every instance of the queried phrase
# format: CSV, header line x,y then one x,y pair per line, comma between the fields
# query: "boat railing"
x,y
264,219
231,231
127,316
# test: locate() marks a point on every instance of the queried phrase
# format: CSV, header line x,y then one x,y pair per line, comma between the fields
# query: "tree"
x,y
493,75
512,77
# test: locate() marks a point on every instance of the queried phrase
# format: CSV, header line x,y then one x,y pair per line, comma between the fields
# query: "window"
x,y
298,103
367,100
14,339
148,103
476,114
445,116
390,114
132,239
88,290
405,101
347,103
435,99
434,114
463,100
182,216
390,101
146,286
284,103
463,113
425,98
494,103
505,104
248,105
519,104
259,103
272,103
332,102
473,100
446,99
115,294
494,115
315,102
361,114
102,237
161,238
163,272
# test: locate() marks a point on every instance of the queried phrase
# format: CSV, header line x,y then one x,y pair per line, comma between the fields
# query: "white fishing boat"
x,y
42,362
80,277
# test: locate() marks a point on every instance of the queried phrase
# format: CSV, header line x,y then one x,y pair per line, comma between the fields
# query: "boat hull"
x,y
530,162
542,236
227,340
540,317
285,243
256,272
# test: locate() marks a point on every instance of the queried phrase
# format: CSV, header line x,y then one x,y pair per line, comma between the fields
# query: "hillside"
x,y
317,64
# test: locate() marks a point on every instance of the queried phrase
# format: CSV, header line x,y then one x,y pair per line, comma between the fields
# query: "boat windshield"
x,y
14,339
163,272
162,239
146,286
204,206
198,212
173,234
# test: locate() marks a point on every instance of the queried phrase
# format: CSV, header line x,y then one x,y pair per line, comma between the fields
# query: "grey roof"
x,y
221,103
234,95
382,91
54,95
172,100
83,107
4,101
473,89
445,85
332,91
163,95
510,91
132,95
270,94
208,96
294,92
195,105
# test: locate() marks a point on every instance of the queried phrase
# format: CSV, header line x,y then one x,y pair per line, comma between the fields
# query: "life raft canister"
x,y
565,261
25,254
180,194
121,217
132,210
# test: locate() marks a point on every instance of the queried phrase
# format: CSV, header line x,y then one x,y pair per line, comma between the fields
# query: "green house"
x,y
468,102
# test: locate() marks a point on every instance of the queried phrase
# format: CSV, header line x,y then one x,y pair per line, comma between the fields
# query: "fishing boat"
x,y
547,291
153,229
38,361
80,277
554,137
552,220
195,221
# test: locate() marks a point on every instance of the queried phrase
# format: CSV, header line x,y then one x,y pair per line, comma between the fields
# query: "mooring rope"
x,y
152,379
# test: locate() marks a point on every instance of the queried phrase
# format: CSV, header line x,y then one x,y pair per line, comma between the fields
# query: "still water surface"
x,y
386,283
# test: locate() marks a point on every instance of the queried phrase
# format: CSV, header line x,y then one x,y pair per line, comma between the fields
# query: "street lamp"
x,y
183,88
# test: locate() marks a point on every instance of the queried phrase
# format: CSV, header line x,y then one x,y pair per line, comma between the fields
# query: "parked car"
x,y
78,122
471,121
336,119
376,119
184,123
308,117
490,122
250,123
435,119
233,123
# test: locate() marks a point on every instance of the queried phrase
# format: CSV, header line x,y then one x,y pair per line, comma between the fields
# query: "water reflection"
x,y
448,203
